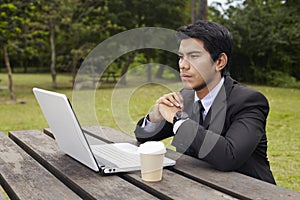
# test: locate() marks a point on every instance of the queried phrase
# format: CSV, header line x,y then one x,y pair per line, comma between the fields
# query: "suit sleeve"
x,y
164,130
243,130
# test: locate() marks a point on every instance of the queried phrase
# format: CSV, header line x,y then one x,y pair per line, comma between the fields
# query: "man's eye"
x,y
194,56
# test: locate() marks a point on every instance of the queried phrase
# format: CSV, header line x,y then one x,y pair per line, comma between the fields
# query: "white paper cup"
x,y
152,156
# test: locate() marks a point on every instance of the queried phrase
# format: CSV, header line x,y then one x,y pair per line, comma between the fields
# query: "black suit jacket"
x,y
233,136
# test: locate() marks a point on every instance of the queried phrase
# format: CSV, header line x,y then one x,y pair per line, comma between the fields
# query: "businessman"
x,y
213,118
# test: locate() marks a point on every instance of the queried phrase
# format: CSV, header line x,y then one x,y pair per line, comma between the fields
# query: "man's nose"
x,y
183,64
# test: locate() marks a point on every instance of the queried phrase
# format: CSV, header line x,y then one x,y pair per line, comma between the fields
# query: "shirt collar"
x,y
208,100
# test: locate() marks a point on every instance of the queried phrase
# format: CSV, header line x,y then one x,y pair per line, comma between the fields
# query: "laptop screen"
x,y
65,126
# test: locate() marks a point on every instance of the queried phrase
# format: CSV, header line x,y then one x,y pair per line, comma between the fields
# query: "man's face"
x,y
197,69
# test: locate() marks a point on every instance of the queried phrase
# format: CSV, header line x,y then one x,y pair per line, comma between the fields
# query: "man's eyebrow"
x,y
189,53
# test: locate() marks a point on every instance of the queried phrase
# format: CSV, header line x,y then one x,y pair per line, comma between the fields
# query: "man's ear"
x,y
221,62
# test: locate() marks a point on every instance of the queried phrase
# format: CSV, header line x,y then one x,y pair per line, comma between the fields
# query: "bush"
x,y
274,78
281,79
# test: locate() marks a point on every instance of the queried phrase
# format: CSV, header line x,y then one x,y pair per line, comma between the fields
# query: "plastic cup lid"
x,y
152,147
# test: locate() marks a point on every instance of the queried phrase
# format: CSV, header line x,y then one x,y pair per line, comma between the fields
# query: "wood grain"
x,y
231,183
24,178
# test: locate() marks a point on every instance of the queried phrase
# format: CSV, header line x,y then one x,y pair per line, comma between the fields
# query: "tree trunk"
x,y
11,84
125,68
160,71
149,67
193,10
52,43
73,70
75,58
25,66
202,9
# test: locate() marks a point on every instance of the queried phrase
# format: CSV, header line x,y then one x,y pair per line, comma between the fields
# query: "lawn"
x,y
131,103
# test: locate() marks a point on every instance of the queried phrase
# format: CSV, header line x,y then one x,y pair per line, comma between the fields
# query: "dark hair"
x,y
216,38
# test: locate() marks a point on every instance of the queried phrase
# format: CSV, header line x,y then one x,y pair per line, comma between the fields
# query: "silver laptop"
x,y
103,158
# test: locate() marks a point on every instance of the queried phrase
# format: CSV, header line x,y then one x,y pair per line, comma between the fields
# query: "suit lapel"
x,y
189,97
215,118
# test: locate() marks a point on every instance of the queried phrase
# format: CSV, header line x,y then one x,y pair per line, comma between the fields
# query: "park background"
x,y
43,44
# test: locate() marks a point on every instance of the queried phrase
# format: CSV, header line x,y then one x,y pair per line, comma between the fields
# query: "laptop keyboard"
x,y
116,155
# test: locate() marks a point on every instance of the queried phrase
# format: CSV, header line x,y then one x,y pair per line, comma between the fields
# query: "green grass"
x,y
131,103
283,129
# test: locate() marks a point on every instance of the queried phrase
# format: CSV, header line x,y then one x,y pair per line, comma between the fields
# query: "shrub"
x,y
281,79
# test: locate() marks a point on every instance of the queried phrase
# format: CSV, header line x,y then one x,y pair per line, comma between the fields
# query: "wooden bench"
x,y
106,77
109,77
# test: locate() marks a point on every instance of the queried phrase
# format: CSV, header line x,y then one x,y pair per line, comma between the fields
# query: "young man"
x,y
213,118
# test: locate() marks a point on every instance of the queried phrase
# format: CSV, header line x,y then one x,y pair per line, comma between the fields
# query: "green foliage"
x,y
79,27
266,38
9,22
19,32
281,79
142,13
274,78
150,13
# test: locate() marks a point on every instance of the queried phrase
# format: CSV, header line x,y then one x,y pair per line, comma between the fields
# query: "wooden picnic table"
x,y
33,167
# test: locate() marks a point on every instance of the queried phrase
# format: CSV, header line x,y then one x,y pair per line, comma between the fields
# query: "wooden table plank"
x,y
20,175
179,187
238,185
87,183
173,185
232,183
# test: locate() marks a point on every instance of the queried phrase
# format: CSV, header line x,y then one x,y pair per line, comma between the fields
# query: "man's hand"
x,y
166,107
168,112
169,104
171,99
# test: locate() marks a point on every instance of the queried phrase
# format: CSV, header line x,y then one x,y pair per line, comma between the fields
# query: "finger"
x,y
171,99
179,99
176,99
165,101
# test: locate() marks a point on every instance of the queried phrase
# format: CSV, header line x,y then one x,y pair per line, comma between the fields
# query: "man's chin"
x,y
199,87
187,85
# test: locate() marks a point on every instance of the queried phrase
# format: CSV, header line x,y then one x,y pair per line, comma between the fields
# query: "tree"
x,y
202,9
266,40
68,30
140,13
50,13
198,10
13,17
89,25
